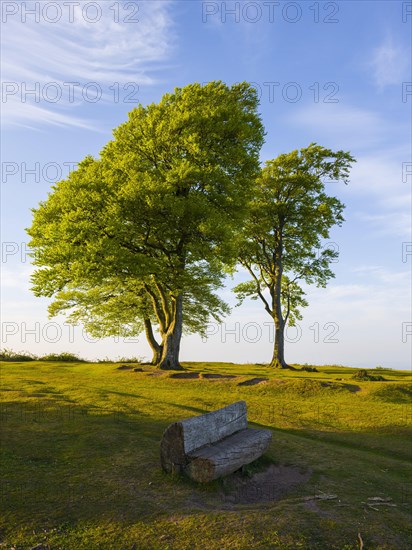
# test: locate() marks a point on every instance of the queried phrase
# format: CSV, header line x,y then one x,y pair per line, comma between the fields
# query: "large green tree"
x,y
281,247
152,220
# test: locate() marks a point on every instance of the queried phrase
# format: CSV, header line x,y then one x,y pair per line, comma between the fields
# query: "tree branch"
x,y
157,308
258,287
288,306
165,305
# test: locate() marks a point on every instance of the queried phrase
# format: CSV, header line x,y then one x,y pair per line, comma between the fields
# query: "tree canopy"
x,y
290,214
145,232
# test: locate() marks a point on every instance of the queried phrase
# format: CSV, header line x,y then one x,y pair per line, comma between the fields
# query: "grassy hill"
x,y
80,459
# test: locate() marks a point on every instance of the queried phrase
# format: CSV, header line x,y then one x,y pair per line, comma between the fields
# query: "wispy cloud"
x,y
372,295
389,63
380,175
381,149
77,50
377,274
32,116
16,276
343,126
378,179
389,223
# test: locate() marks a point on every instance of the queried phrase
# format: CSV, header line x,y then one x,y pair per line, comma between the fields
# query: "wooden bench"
x,y
212,445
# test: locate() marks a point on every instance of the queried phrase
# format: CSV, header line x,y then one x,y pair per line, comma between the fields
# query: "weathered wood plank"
x,y
182,437
214,426
227,456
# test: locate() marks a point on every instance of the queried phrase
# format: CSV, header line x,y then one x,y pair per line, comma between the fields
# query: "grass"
x,y
80,459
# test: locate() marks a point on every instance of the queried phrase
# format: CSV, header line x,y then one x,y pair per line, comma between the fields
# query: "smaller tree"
x,y
289,216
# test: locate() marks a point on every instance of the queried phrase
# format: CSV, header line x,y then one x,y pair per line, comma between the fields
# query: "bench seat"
x,y
227,455
212,445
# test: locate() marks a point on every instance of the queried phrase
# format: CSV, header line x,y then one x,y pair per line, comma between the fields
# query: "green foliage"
x,y
122,360
10,355
306,368
150,224
292,298
64,357
290,216
363,374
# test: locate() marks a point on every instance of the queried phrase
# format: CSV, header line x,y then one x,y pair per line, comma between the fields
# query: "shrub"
x,y
10,355
129,360
363,374
139,360
64,357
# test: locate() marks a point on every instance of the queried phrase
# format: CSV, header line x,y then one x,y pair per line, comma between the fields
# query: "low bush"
x,y
129,360
10,355
63,357
363,374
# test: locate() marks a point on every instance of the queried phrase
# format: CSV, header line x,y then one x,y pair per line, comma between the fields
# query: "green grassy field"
x,y
80,460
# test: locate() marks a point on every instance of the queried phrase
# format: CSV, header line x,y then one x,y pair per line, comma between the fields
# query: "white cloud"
x,y
16,277
379,174
33,116
342,126
338,116
76,50
378,178
390,223
374,292
389,63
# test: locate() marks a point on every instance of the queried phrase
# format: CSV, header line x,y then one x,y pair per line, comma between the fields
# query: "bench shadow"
x,y
65,463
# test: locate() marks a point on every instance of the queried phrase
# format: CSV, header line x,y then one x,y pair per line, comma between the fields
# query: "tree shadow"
x,y
69,463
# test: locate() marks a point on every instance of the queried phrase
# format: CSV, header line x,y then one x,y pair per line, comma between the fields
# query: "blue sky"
x,y
338,73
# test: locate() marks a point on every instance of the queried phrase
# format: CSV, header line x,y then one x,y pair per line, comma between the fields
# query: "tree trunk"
x,y
157,356
171,339
156,347
278,359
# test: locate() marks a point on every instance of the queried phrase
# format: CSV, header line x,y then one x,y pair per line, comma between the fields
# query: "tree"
x,y
290,214
155,216
117,308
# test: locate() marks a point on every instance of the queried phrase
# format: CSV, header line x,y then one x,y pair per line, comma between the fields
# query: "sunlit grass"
x,y
80,456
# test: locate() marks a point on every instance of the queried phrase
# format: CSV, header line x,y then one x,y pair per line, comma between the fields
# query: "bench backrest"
x,y
214,426
180,438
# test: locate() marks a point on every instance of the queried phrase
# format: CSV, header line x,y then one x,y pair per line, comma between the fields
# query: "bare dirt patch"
x,y
185,375
352,387
253,381
213,376
267,486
